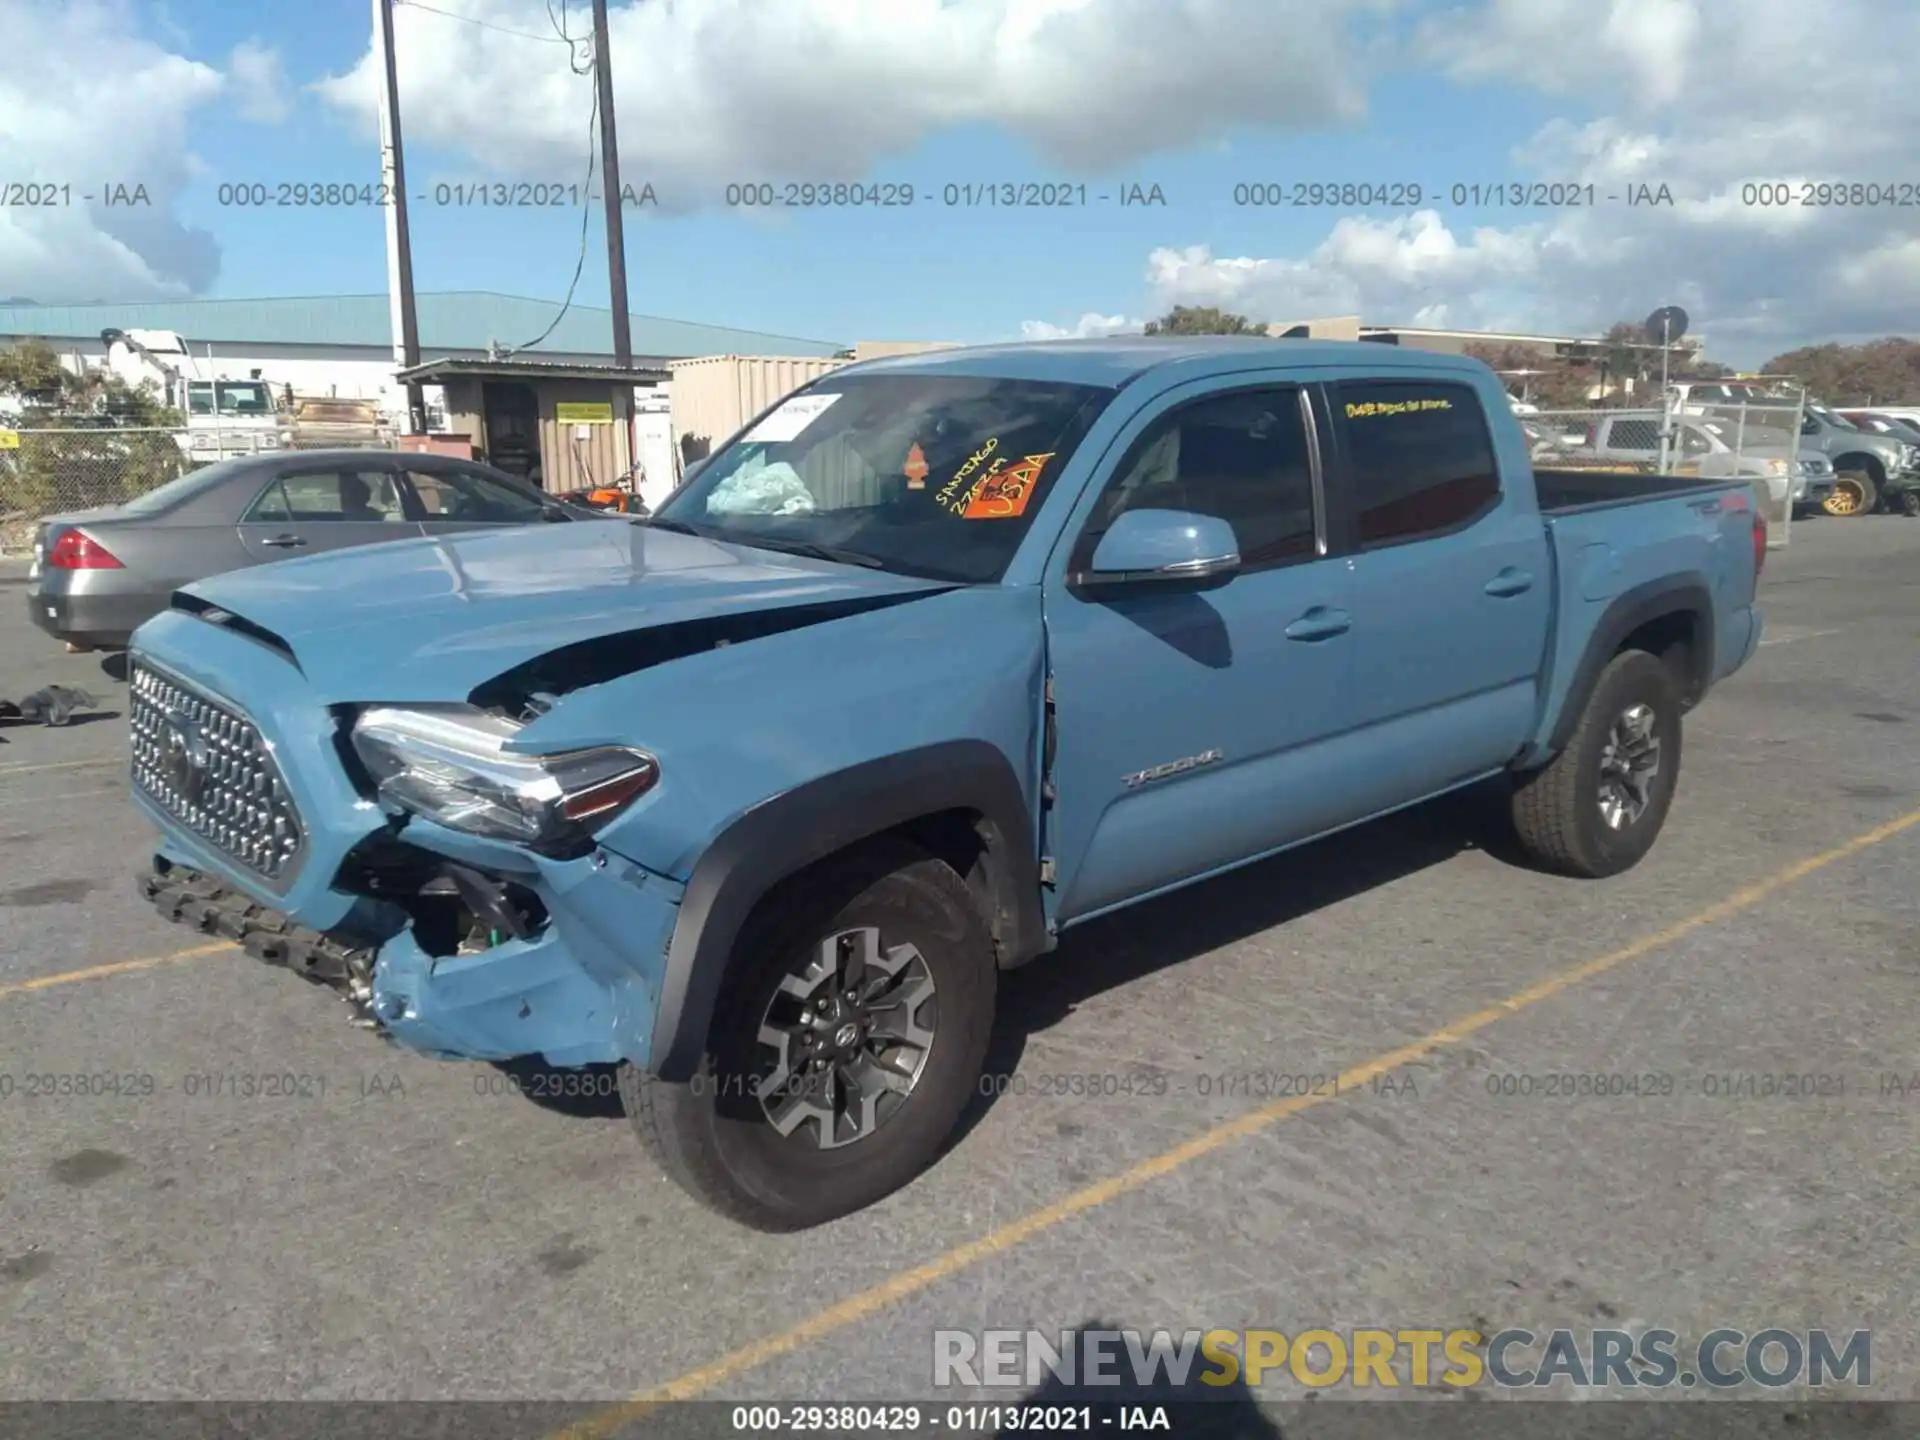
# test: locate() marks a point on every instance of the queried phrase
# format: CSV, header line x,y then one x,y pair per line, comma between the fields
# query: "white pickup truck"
x,y
1714,447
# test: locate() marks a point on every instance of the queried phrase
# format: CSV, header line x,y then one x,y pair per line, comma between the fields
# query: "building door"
x,y
512,426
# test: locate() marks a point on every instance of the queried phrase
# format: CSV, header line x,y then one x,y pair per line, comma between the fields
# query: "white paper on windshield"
x,y
790,419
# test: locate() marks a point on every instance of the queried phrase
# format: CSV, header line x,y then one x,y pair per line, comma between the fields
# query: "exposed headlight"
x,y
1776,467
286,437
450,764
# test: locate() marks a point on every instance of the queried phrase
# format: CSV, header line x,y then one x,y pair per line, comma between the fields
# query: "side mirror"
x,y
1162,547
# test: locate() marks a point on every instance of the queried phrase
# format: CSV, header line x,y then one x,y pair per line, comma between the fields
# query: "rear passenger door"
x,y
1451,582
326,506
453,498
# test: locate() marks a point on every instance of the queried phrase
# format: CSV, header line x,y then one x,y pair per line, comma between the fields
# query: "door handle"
x,y
1320,623
1510,582
284,542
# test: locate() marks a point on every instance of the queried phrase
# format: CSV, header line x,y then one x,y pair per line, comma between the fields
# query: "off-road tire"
x,y
1556,809
709,1133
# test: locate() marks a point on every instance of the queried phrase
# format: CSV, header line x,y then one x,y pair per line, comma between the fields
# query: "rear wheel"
x,y
1910,503
1599,806
852,1033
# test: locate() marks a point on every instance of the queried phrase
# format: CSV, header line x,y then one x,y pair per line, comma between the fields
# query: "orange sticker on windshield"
x,y
916,468
1004,494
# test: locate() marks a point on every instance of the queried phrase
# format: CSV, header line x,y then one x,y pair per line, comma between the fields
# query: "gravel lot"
x,y
404,1228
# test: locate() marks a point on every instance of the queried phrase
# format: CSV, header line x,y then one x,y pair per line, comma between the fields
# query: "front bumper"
x,y
581,986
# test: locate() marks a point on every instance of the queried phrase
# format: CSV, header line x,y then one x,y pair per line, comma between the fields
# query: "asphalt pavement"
x,y
233,1195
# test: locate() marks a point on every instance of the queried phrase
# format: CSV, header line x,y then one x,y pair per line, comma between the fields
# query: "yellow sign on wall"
x,y
583,414
9,439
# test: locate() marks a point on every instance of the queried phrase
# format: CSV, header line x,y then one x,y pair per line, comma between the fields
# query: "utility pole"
x,y
393,179
610,186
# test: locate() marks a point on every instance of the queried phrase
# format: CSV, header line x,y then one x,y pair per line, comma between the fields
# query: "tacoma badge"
x,y
1172,767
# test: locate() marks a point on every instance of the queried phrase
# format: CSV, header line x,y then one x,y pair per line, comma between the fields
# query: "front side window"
x,y
470,496
925,474
1419,458
1244,458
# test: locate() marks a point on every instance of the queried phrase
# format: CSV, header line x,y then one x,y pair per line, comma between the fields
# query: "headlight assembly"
x,y
449,764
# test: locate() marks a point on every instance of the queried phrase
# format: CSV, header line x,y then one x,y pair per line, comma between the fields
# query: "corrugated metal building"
x,y
342,344
714,395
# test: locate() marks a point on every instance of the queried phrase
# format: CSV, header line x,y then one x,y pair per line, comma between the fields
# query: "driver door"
x,y
1249,681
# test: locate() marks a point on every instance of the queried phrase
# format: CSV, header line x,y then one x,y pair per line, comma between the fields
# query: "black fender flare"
x,y
784,835
1687,595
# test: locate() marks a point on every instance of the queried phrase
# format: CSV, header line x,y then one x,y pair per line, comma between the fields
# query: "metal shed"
x,y
567,426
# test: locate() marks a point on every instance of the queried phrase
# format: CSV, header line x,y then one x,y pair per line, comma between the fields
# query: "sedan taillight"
x,y
77,550
1759,542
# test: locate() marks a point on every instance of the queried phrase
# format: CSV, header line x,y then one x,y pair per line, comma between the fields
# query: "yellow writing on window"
x,y
1394,407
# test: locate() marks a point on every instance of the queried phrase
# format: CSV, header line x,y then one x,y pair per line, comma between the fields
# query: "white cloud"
x,y
90,106
1090,326
1707,100
261,92
708,91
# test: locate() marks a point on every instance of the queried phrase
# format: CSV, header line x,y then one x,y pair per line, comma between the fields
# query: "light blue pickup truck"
x,y
938,658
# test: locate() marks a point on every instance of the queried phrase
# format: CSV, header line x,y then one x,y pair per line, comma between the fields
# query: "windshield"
x,y
1829,417
237,397
932,475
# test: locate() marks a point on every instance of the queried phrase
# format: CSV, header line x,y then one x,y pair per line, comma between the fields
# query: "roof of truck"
x,y
1118,359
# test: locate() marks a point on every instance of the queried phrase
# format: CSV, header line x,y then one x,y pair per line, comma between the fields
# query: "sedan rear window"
x,y
185,488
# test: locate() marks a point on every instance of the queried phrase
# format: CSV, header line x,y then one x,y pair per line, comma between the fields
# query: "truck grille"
x,y
208,767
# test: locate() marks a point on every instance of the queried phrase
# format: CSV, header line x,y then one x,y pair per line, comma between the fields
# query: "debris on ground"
x,y
52,705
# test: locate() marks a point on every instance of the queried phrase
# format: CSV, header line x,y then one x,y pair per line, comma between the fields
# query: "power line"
x,y
489,25
586,215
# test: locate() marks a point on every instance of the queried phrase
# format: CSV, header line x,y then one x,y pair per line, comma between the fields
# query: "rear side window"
x,y
1634,435
1419,458
337,495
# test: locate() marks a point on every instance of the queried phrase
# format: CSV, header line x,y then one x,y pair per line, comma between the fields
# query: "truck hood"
x,y
433,619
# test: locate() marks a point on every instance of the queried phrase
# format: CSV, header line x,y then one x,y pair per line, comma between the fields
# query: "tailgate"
x,y
1618,558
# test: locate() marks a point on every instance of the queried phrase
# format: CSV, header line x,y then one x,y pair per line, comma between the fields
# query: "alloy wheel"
x,y
845,1039
1628,766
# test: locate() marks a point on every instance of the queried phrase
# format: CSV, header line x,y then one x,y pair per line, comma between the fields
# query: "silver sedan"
x,y
98,574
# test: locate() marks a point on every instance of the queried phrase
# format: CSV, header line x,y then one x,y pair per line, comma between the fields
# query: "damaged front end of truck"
x,y
411,813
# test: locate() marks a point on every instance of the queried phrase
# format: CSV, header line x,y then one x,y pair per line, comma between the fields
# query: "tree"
x,y
1560,384
1203,320
1880,372
85,439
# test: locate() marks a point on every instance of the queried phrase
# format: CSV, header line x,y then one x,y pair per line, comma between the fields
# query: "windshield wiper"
x,y
678,527
813,551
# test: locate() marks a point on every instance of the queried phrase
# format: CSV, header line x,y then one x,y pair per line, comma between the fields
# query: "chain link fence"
x,y
50,471
1758,442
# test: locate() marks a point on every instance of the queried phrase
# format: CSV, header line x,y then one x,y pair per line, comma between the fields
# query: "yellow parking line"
x,y
855,1308
102,972
61,765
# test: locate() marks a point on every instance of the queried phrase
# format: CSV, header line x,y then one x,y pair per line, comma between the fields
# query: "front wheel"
x,y
852,1033
1854,493
1598,807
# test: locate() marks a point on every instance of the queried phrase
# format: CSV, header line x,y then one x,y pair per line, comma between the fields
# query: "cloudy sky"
x,y
1295,158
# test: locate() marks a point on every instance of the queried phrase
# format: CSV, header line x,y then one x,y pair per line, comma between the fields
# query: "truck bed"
x,y
1618,536
1561,490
